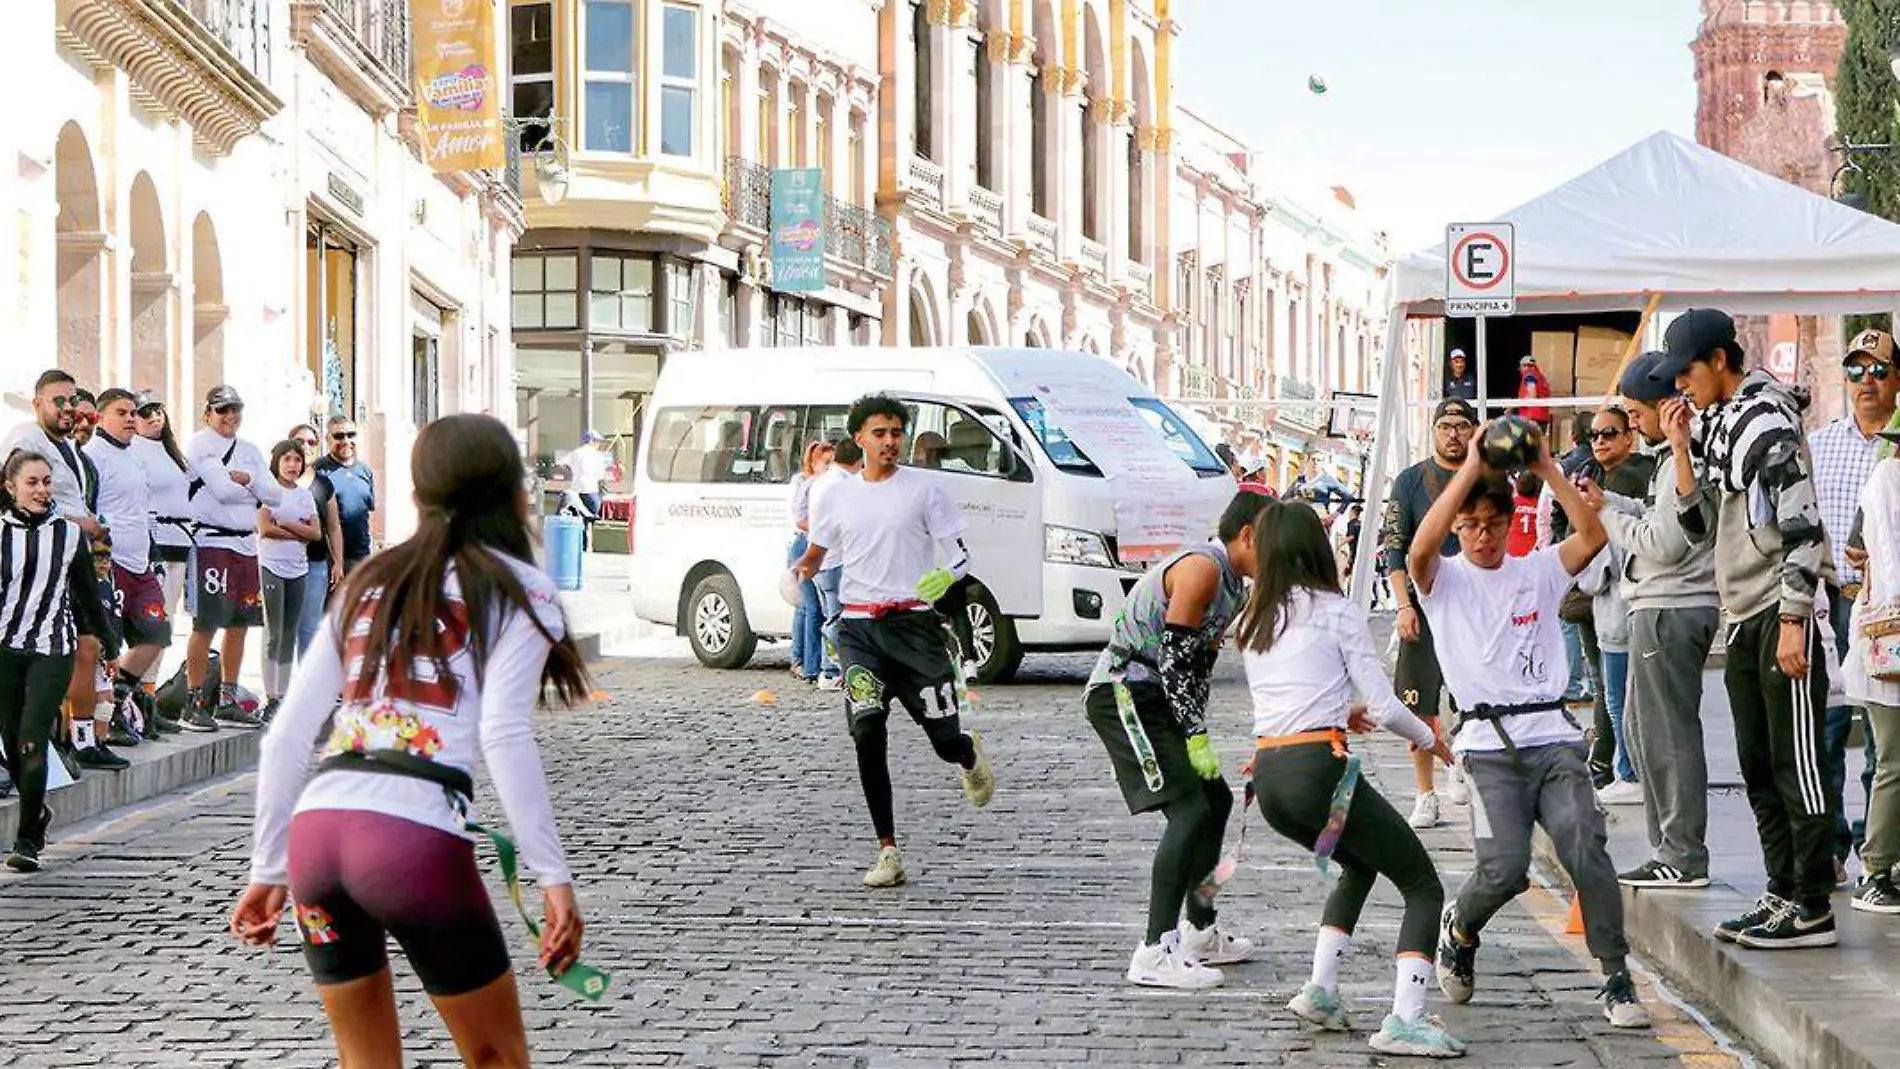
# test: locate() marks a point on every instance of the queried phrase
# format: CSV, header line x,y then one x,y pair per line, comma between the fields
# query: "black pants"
x,y
1295,787
901,658
1602,735
32,686
1779,738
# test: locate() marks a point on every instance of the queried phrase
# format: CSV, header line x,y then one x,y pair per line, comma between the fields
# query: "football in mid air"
x,y
1511,443
1316,85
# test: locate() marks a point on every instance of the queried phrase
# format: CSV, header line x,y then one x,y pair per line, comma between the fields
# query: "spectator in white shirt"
x,y
847,457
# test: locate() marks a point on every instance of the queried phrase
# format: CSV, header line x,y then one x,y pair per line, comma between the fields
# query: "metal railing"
x,y
747,196
854,235
243,27
382,27
511,171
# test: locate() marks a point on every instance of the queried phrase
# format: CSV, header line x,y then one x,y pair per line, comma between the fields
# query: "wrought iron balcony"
x,y
747,197
853,235
382,26
243,27
511,171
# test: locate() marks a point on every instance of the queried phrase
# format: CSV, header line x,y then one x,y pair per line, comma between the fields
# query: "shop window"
x,y
608,107
531,68
544,292
620,293
425,378
680,302
679,79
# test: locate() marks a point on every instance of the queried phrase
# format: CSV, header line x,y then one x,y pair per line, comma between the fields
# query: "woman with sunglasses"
x,y
170,477
1616,466
325,555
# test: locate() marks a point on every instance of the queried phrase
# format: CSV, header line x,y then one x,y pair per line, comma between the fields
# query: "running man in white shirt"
x,y
1308,654
1502,648
889,525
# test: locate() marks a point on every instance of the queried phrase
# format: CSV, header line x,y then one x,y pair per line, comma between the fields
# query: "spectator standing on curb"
x,y
1752,498
91,688
1845,452
1879,601
323,557
355,487
1552,526
847,459
169,477
1525,491
235,482
284,531
1669,584
1616,467
134,593
1533,385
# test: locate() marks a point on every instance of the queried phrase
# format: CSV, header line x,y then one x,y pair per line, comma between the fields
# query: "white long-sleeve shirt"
x,y
168,484
447,721
1321,659
221,502
125,501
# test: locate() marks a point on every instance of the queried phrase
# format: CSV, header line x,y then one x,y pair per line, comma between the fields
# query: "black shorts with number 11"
x,y
900,658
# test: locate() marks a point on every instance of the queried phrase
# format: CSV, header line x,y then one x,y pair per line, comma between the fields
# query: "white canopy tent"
x,y
1665,219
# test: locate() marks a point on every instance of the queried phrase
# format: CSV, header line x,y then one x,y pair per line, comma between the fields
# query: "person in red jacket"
x,y
1523,537
1532,385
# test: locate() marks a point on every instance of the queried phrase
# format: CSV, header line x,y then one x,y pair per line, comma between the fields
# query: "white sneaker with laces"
x,y
1424,811
1211,946
1620,792
979,783
1458,789
889,869
1165,965
830,683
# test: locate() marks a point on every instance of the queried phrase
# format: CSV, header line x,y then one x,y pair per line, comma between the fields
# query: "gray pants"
x,y
1547,786
1668,648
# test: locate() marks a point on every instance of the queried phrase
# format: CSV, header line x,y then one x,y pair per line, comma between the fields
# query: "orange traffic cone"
x,y
1574,926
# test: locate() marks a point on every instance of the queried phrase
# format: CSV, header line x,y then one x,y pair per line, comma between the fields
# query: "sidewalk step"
x,y
157,769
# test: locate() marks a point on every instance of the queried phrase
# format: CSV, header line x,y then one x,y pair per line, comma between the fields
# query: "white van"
x,y
724,432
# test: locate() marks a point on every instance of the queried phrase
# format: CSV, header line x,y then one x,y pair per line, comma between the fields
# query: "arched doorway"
x,y
922,332
208,309
79,267
151,293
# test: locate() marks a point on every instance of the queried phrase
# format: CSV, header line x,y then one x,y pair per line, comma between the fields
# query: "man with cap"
x,y
1751,497
1417,677
1669,584
233,481
1533,386
1460,382
1845,452
588,466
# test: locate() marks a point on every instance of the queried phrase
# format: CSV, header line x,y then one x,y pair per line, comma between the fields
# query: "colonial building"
x,y
230,191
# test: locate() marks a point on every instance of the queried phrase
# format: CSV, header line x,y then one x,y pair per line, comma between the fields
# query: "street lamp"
x,y
550,154
1850,164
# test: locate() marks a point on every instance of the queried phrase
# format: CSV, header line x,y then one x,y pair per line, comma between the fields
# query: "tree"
x,y
1867,111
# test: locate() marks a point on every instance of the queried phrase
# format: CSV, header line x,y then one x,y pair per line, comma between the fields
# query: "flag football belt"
x,y
1495,714
1341,803
878,610
584,980
221,532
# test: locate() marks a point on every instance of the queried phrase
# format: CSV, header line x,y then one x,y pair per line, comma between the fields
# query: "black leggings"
x,y
32,686
872,741
1189,850
1295,786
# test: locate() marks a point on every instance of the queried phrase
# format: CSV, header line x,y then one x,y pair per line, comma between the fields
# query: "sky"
x,y
1439,111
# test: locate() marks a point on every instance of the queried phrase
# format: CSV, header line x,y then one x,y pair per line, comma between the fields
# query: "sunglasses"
x,y
1877,372
307,443
1607,434
225,410
65,402
343,436
151,410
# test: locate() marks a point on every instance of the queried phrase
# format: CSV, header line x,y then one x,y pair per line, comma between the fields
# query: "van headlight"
x,y
1070,545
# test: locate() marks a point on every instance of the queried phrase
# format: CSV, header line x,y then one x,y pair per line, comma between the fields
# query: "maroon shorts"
x,y
138,599
226,584
357,878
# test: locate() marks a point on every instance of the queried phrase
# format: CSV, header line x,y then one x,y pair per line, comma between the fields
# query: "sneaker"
x,y
121,734
1316,1005
1621,792
1792,927
1211,946
1657,874
1166,965
1458,788
69,757
197,717
889,870
1620,1006
979,783
269,711
830,682
1876,894
100,756
24,858
236,715
1457,960
1424,811
1765,907
1423,1038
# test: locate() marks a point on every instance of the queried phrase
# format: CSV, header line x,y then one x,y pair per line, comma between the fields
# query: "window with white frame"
x,y
620,293
543,287
922,141
679,78
607,107
531,68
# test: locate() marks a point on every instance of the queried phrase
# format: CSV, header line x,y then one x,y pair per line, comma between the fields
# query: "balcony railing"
x,y
926,183
853,235
382,27
1042,235
987,209
1094,258
511,171
1195,381
1141,278
243,27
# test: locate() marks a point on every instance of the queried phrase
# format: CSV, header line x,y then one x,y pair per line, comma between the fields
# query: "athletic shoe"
x,y
1423,1038
1792,927
236,715
1457,960
1458,787
830,683
24,859
1165,964
69,757
1424,811
1662,876
269,711
1316,1005
1840,873
99,756
1620,1006
121,733
1765,907
889,870
979,783
1621,792
197,718
1876,894
1211,946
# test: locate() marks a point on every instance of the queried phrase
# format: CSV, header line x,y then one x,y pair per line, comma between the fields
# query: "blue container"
x,y
563,536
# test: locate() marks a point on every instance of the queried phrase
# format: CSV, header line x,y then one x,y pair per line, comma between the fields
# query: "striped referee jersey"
x,y
39,562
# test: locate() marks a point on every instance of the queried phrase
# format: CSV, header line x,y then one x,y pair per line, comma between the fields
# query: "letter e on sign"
x,y
1480,269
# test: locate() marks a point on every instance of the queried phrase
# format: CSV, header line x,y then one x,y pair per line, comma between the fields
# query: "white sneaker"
x,y
1458,790
830,683
889,870
1424,811
1620,792
1212,946
1164,965
979,783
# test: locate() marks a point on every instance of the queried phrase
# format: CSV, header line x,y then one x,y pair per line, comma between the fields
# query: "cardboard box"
x,y
1599,353
1555,351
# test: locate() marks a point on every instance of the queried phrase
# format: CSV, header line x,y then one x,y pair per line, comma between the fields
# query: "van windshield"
x,y
1066,455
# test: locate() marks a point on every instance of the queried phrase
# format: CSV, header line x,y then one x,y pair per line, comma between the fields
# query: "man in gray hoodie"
x,y
1751,496
1669,584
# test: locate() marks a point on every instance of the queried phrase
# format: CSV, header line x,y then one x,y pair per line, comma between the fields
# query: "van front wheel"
x,y
998,651
716,624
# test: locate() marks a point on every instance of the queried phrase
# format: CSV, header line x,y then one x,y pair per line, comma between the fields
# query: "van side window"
x,y
703,445
946,439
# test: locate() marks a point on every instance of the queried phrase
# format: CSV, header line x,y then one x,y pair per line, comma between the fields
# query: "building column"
x,y
1113,141
1067,145
747,91
1012,101
948,83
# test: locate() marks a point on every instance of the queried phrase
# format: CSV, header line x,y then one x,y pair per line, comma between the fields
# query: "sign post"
x,y
1481,281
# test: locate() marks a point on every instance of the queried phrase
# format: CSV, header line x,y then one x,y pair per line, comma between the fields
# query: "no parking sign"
x,y
1480,269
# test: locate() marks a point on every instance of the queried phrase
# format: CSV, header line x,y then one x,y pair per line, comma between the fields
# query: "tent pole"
x,y
1389,436
1484,373
1630,350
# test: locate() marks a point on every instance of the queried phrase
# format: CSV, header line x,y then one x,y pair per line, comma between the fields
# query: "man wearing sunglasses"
x,y
235,482
1845,452
355,486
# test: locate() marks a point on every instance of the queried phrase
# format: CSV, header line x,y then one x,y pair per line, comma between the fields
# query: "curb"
x,y
157,768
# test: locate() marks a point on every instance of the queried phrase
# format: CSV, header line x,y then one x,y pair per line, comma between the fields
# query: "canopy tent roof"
x,y
1669,216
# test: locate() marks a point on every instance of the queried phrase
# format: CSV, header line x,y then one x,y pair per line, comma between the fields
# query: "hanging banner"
x,y
458,105
798,230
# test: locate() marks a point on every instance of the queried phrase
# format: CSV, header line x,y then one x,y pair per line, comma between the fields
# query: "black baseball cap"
x,y
219,396
1690,338
1455,406
1639,382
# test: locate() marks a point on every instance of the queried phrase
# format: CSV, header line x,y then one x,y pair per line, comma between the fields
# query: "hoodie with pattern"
x,y
1755,500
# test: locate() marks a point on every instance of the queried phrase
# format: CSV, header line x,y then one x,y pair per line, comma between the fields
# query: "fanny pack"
x,y
1495,714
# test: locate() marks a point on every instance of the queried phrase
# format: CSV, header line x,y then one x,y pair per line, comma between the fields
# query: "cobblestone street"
x,y
718,844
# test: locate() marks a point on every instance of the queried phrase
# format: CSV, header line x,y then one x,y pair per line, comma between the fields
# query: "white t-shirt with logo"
x,y
1499,642
885,534
288,558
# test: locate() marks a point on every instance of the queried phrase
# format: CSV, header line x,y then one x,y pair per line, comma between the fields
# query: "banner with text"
x,y
798,230
1159,504
458,107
